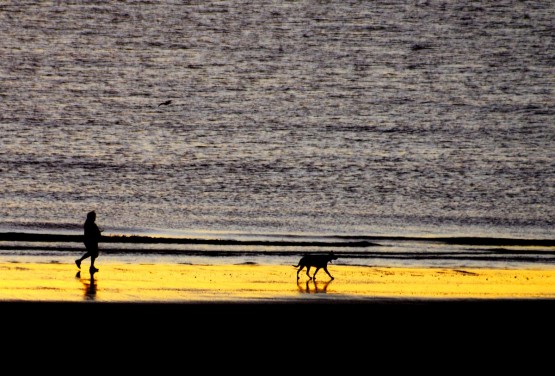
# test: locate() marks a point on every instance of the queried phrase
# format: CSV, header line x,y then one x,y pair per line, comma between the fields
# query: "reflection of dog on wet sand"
x,y
317,261
313,287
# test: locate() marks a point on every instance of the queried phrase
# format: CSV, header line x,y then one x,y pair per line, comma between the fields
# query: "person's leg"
x,y
93,258
79,260
94,255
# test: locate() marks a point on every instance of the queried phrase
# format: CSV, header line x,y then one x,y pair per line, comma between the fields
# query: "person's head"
x,y
91,216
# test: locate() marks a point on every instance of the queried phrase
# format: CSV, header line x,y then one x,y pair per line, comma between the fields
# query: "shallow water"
x,y
386,252
311,118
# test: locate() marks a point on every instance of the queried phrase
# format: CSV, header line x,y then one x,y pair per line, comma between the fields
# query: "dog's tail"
x,y
296,266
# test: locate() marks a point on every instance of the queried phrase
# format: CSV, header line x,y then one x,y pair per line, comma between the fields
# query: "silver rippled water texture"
x,y
325,117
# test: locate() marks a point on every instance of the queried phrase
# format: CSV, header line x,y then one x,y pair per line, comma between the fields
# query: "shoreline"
x,y
363,251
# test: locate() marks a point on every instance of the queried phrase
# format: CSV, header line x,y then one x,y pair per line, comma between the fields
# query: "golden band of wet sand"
x,y
184,283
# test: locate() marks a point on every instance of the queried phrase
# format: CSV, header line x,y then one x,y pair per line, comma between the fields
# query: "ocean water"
x,y
288,118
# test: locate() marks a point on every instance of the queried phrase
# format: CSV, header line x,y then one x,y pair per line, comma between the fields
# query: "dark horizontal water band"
x,y
354,241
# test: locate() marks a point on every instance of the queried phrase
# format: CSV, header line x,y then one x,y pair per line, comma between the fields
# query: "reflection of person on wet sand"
x,y
92,237
319,287
89,284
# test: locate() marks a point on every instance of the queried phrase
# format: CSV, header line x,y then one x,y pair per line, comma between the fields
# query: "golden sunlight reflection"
x,y
118,282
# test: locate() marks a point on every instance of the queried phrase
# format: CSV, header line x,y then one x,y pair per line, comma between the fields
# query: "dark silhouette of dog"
x,y
316,261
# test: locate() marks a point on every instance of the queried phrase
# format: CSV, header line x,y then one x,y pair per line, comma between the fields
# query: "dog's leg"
x,y
298,271
326,270
307,270
314,275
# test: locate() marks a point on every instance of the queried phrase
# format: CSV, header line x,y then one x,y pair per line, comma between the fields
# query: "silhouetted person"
x,y
92,237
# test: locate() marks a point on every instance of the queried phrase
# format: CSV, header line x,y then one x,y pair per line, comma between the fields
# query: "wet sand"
x,y
251,283
245,299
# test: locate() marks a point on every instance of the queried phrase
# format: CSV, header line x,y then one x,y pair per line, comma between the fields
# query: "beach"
x,y
253,283
220,141
249,302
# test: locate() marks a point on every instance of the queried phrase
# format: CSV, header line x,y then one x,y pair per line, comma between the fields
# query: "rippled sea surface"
x,y
287,117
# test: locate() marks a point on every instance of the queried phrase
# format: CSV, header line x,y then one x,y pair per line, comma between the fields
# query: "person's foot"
x,y
78,263
92,269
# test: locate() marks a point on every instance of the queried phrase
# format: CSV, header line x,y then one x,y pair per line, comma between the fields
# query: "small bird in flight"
x,y
165,103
